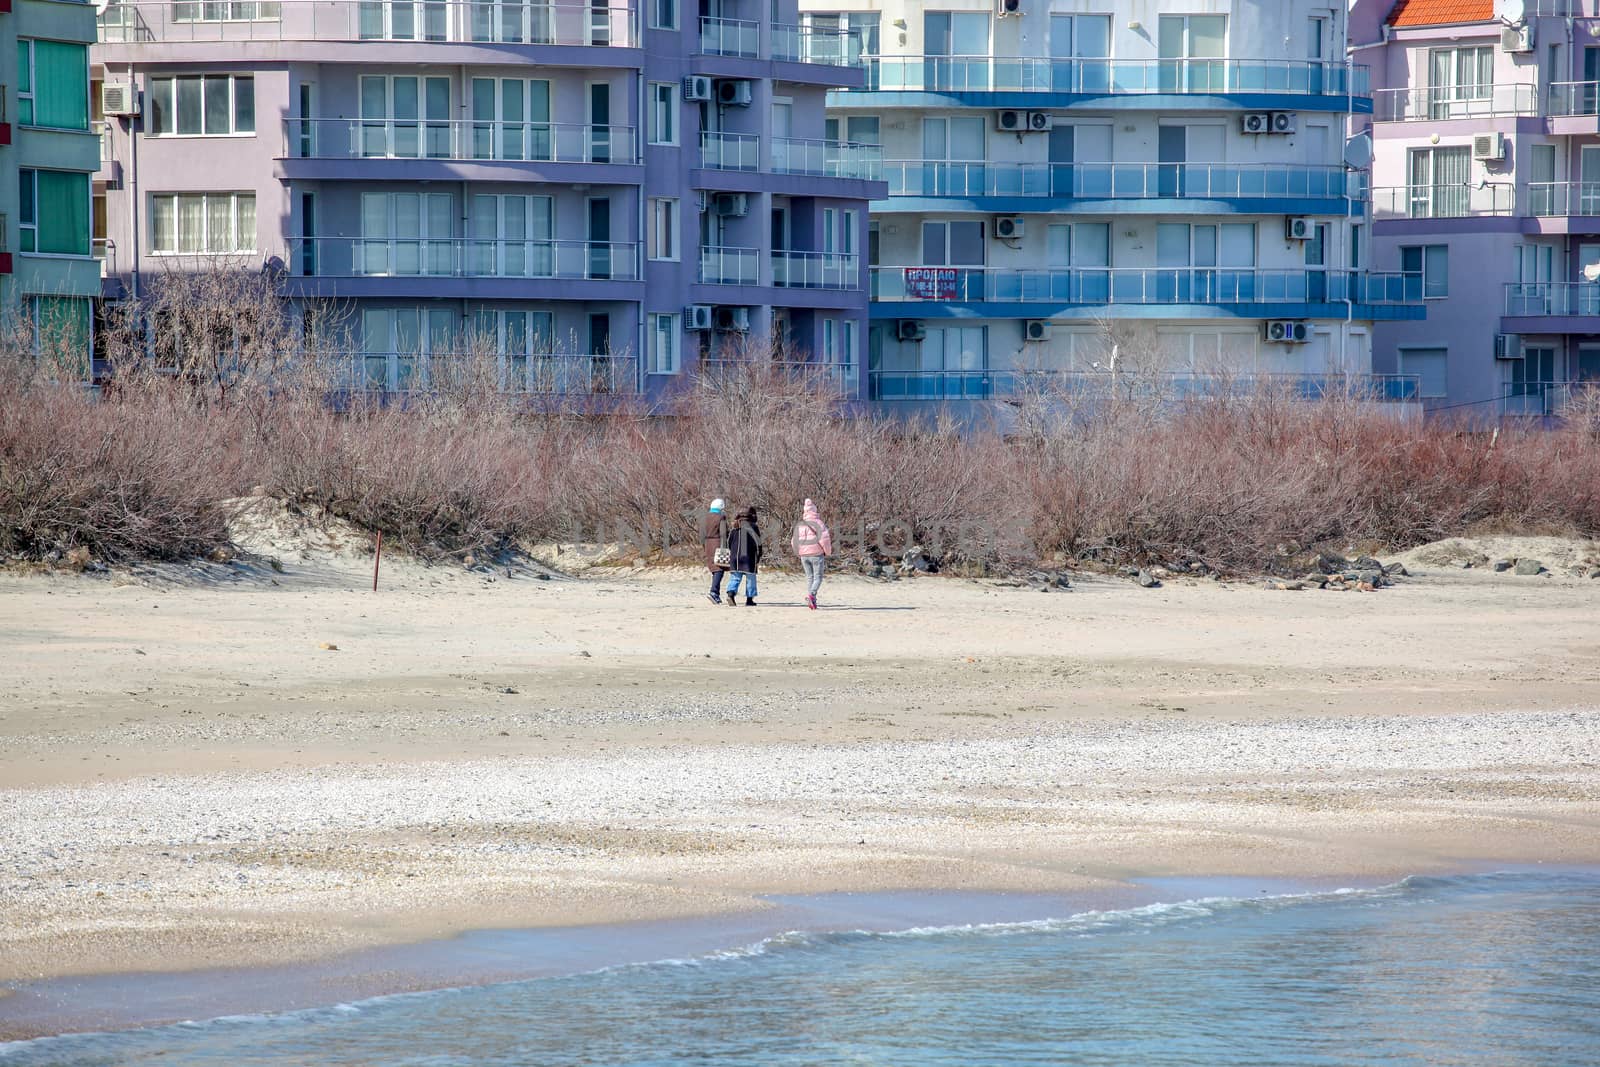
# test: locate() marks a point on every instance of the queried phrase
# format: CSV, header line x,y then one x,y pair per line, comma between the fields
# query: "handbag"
x,y
722,555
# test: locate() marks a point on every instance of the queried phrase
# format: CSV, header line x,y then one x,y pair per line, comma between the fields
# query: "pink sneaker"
x,y
811,601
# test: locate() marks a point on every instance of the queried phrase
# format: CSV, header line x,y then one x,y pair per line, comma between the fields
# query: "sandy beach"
x,y
189,779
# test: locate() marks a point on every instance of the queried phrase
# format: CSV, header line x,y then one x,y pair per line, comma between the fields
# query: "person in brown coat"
x,y
715,534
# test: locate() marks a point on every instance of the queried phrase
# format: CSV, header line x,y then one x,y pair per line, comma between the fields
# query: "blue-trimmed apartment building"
x,y
1160,182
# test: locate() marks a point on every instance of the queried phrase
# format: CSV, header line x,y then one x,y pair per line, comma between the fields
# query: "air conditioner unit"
x,y
732,205
735,320
697,87
1517,38
697,317
1285,121
1009,227
1008,7
118,98
1287,332
1036,330
1256,122
1507,346
1489,146
1040,121
1299,228
1011,121
734,92
910,330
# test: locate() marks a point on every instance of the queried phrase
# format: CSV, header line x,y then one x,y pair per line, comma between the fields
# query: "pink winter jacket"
x,y
811,537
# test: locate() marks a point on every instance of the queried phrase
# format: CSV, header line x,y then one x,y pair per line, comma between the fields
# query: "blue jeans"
x,y
733,583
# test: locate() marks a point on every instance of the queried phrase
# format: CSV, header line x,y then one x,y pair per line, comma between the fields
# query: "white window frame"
x,y
663,113
1423,250
225,11
665,215
204,249
171,94
665,327
660,22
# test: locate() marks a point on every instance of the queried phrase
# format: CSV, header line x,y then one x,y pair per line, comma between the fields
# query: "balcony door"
x,y
1179,145
407,233
1192,48
1460,81
1589,180
599,239
1438,182
511,236
957,47
511,119
402,20
953,154
1542,180
405,117
521,341
396,344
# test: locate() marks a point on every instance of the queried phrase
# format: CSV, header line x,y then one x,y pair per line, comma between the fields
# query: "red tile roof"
x,y
1440,12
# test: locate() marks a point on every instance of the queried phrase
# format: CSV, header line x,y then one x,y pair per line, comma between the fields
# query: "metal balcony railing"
x,y
1134,181
830,159
730,37
1541,399
455,257
816,270
1443,201
552,373
730,151
979,384
1437,103
842,378
805,44
726,265
1165,285
1547,199
426,21
1573,98
1113,76
1541,299
463,139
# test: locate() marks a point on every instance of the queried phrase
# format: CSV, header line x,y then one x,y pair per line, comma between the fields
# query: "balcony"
x,y
537,374
1103,77
1556,199
1553,300
1247,183
458,140
726,265
422,21
827,159
1573,100
957,385
730,151
1456,201
816,270
411,257
1543,399
1441,103
730,37
803,44
840,378
1097,287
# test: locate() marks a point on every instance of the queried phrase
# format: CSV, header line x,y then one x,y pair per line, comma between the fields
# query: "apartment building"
x,y
1486,129
612,197
1065,173
47,154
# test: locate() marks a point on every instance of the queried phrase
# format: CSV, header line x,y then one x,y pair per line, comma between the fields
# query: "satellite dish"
x,y
1358,152
1591,272
1510,12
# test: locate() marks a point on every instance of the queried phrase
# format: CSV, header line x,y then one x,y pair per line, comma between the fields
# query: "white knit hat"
x,y
718,505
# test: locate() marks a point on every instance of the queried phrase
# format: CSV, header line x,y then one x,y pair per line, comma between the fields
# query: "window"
x,y
1080,36
1438,182
1432,264
1358,251
209,105
664,228
198,223
60,328
664,14
857,129
953,244
405,116
665,344
663,113
52,84
1461,74
953,138
841,33
1429,366
53,212
955,33
510,118
1232,244
225,11
511,234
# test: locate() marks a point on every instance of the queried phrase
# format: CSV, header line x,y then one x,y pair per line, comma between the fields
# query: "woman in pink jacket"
x,y
813,544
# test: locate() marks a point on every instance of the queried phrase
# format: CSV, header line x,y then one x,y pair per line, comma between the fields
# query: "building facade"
x,y
611,197
48,152
1076,181
1486,130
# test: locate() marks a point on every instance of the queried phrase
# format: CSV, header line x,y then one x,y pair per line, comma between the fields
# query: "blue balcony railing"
x,y
952,385
1116,181
1113,76
1161,285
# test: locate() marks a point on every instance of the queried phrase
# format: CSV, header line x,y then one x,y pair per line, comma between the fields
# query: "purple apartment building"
x,y
614,197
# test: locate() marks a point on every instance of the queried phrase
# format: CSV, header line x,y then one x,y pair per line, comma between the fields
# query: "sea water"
x,y
1493,969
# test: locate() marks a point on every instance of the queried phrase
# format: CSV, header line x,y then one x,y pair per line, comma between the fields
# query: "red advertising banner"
x,y
931,283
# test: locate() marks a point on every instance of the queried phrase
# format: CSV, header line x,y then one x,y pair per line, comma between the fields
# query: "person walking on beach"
x,y
714,532
813,544
744,545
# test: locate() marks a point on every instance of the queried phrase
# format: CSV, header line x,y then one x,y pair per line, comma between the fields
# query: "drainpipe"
x,y
1349,122
133,183
639,119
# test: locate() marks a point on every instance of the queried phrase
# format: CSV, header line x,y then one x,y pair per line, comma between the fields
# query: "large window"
x,y
1438,182
663,113
666,342
511,235
202,105
198,223
664,228
1232,244
1430,367
60,329
52,84
955,243
1432,264
53,212
510,118
225,11
1457,77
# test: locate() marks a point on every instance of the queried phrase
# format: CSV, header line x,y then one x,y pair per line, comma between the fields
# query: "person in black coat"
x,y
744,540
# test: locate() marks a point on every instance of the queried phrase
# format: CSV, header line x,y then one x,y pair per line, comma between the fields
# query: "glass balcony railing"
x,y
1133,181
528,142
1547,199
1162,285
399,257
1113,76
978,384
1437,103
816,270
1549,299
1573,99
726,265
537,373
805,44
730,37
427,21
1458,201
730,151
830,159
834,377
1545,399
